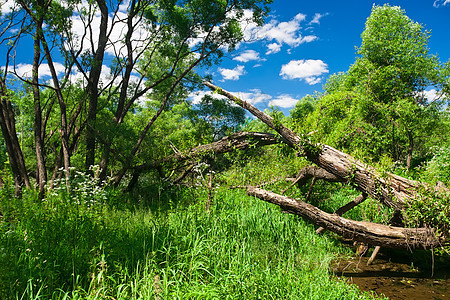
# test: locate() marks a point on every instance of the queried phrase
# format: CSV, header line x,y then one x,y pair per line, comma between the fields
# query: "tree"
x,y
382,101
151,48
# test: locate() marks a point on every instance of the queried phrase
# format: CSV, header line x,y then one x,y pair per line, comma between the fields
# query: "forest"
x,y
118,186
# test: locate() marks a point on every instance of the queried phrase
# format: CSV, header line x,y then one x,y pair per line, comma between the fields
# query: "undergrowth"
x,y
71,247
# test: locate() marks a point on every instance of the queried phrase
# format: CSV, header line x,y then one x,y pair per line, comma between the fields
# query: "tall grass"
x,y
70,247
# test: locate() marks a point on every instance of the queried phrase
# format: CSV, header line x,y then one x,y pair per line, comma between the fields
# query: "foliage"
x,y
430,209
222,116
378,107
303,108
438,168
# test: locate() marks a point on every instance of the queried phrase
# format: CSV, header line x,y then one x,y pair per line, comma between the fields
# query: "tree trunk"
x,y
366,232
41,173
92,86
410,150
15,154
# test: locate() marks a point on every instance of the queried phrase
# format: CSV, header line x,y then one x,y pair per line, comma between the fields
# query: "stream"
x,y
399,274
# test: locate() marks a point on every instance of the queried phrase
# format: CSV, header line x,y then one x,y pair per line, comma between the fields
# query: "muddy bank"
x,y
399,275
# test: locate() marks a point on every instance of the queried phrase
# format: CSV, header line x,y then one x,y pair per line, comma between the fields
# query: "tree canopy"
x,y
380,107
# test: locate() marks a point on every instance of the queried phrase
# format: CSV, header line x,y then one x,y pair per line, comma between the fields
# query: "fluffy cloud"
x,y
273,48
308,70
279,33
254,96
432,95
247,56
284,101
438,3
232,74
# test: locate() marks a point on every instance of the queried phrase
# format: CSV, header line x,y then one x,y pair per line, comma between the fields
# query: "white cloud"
x,y
279,33
309,38
431,95
284,101
254,96
25,70
438,3
7,6
273,48
232,74
308,70
247,56
317,17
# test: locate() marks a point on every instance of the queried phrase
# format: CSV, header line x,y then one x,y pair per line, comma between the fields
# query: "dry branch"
x,y
236,141
310,172
342,210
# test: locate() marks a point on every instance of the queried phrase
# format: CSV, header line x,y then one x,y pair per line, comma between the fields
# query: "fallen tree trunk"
x,y
236,141
366,232
391,190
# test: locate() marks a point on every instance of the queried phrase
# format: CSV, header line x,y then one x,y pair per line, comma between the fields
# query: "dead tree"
x,y
236,141
389,189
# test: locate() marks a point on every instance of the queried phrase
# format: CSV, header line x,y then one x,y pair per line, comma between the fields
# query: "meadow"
x,y
97,244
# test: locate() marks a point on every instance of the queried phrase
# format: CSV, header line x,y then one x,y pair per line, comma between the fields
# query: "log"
x,y
390,189
342,210
236,141
365,232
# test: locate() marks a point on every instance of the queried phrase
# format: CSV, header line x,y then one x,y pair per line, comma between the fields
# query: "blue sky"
x,y
303,42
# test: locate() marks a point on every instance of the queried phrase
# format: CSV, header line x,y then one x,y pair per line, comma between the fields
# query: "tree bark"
x,y
41,172
92,86
343,209
410,150
366,232
15,154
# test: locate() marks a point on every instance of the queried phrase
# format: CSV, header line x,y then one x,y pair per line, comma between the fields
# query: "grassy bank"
x,y
68,248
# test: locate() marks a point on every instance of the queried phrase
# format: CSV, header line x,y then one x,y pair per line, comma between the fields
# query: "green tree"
x,y
383,107
152,49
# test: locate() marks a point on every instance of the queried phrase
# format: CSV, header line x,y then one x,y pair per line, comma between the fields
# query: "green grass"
x,y
68,248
